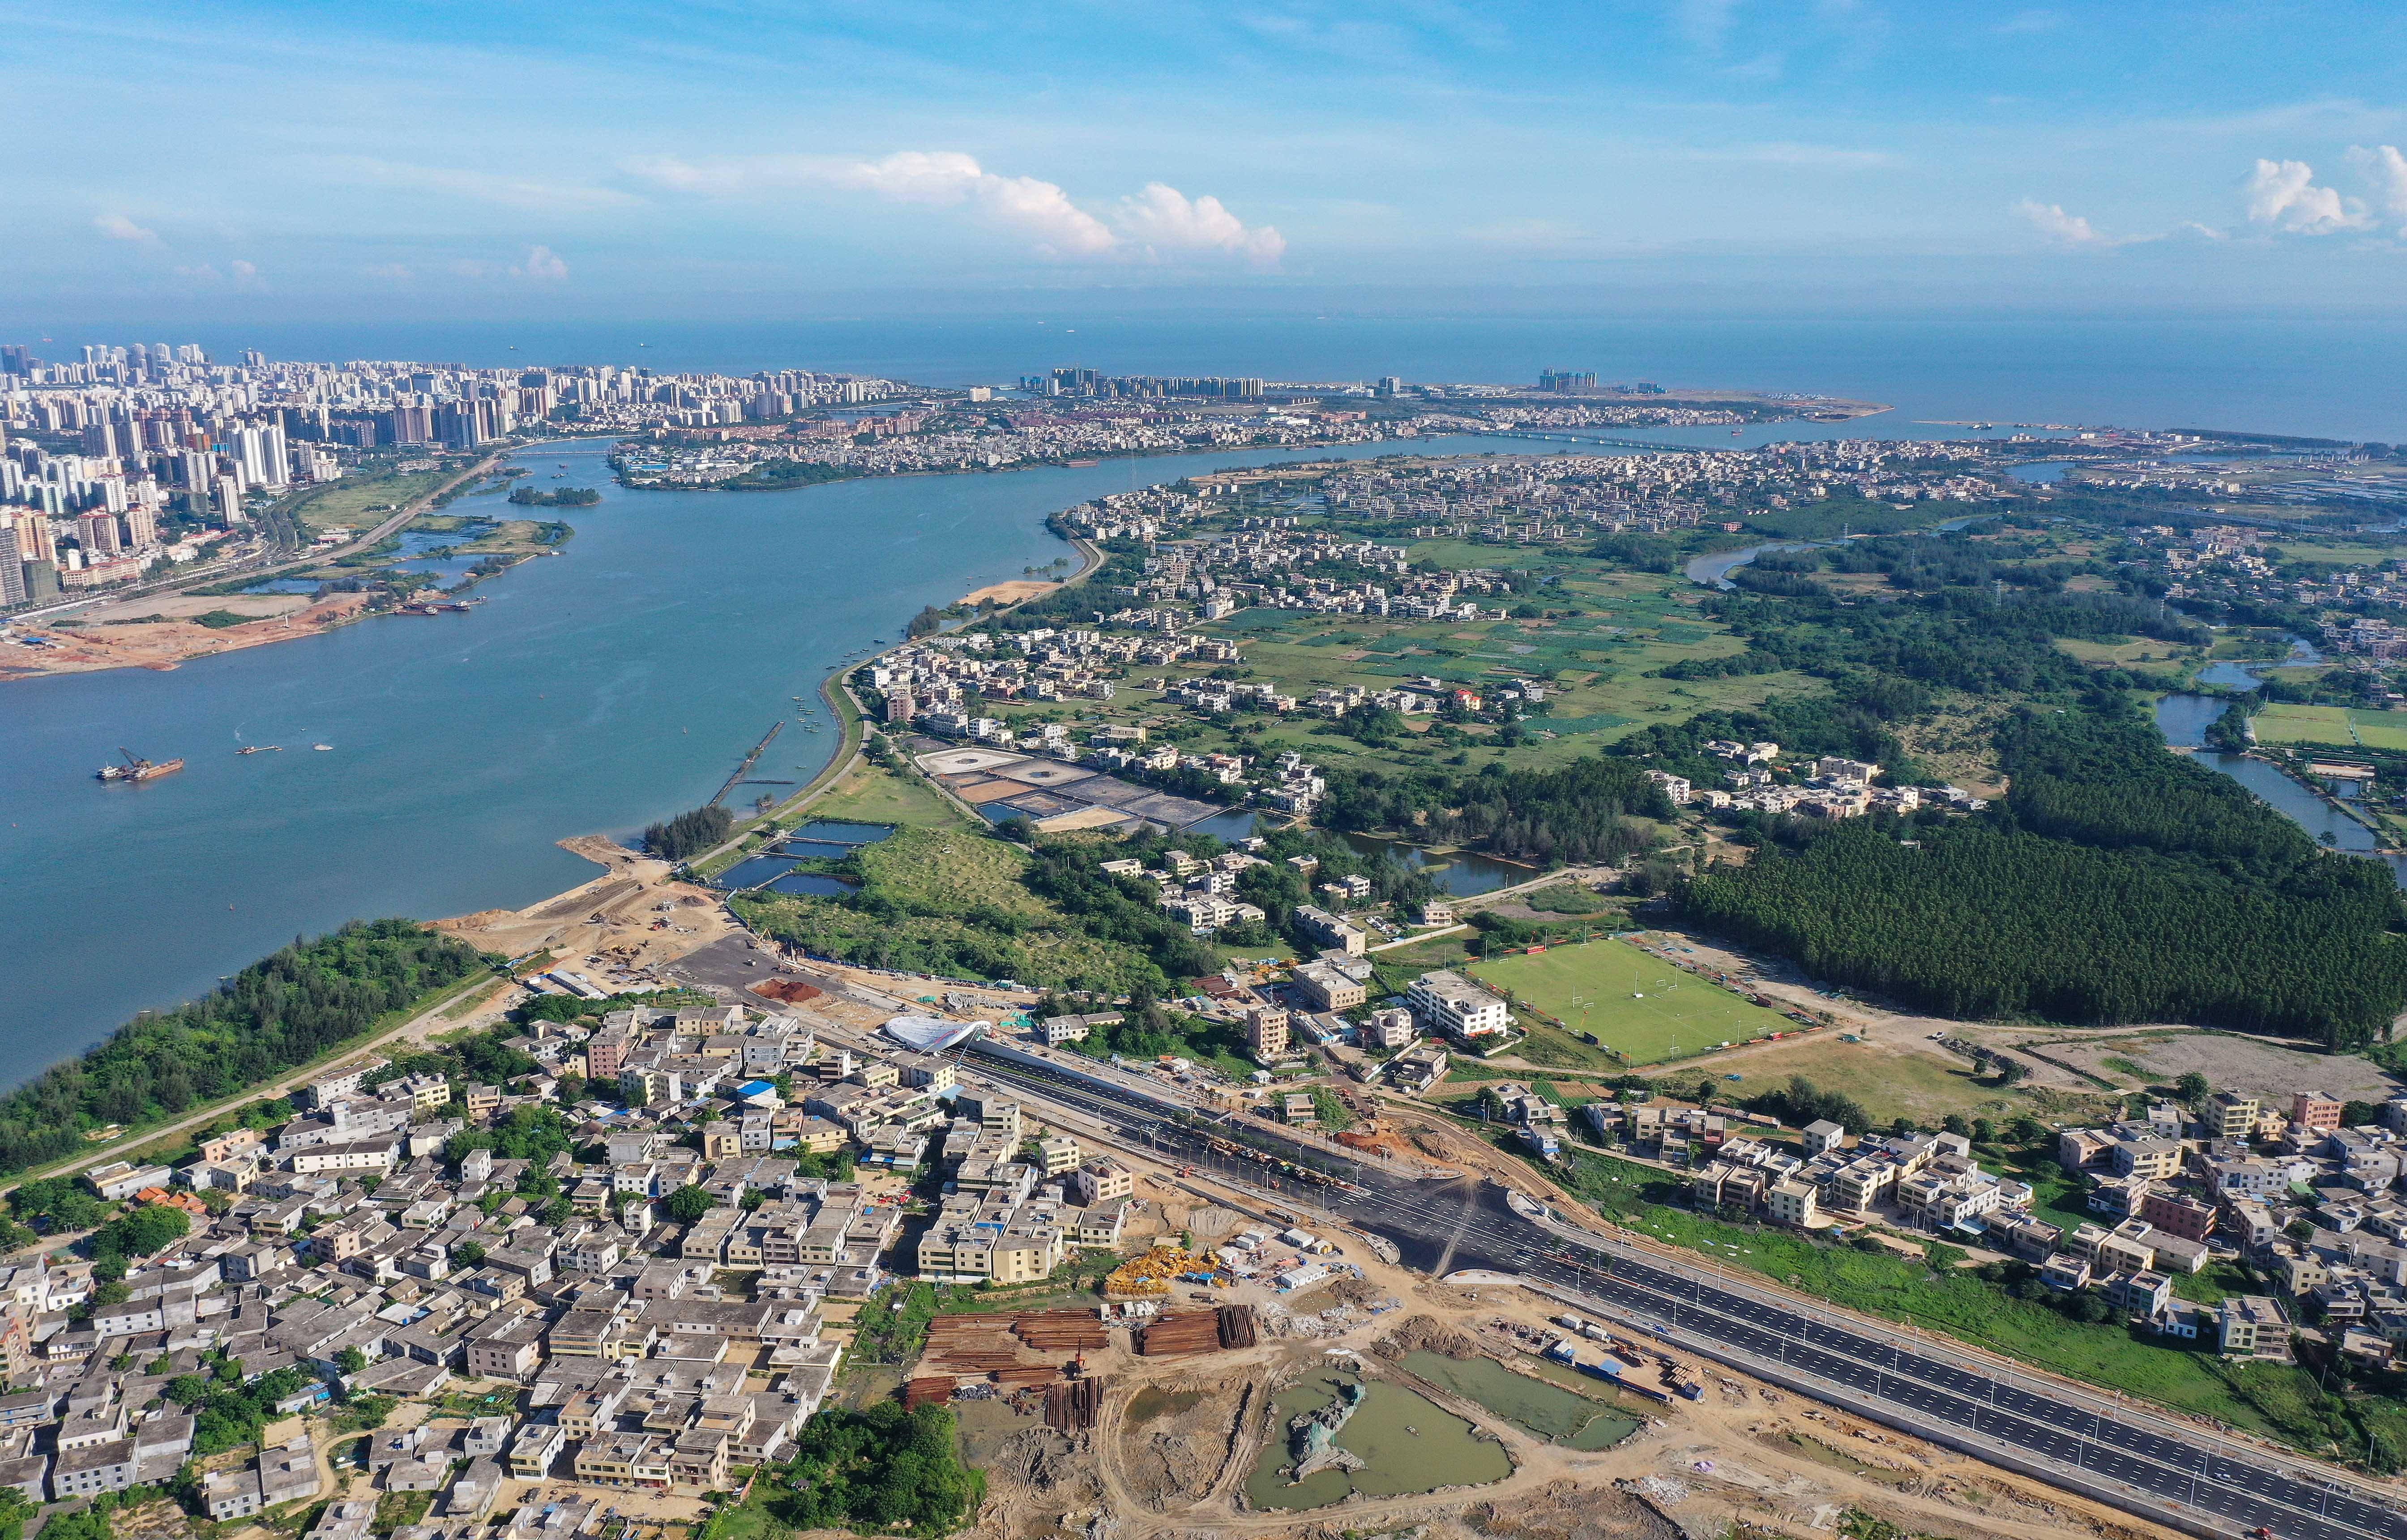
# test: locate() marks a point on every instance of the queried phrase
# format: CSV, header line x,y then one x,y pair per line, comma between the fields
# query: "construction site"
x,y
1443,1408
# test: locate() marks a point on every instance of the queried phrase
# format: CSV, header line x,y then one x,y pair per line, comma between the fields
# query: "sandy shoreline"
x,y
167,642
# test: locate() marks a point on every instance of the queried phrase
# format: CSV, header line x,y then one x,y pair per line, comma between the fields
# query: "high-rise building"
x,y
99,535
12,567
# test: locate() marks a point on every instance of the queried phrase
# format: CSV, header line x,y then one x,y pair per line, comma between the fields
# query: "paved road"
x,y
419,1025
2139,1460
2144,1461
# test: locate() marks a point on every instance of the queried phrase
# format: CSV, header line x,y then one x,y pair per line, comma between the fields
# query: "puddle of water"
x,y
816,849
1408,1444
1550,1411
843,834
813,883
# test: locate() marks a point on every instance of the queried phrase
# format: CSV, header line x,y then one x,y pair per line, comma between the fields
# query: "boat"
x,y
261,748
137,768
323,748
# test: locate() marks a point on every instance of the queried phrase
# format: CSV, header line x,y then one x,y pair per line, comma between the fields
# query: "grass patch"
x,y
218,620
874,796
1888,1084
1566,898
1640,1007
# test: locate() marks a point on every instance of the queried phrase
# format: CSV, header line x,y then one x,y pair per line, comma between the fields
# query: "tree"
x,y
2192,1087
690,834
1984,1131
468,1254
2027,1129
140,1232
689,1203
928,620
15,1508
352,1361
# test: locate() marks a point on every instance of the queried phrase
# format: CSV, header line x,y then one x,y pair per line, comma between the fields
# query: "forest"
x,y
1978,921
286,1009
689,834
1579,813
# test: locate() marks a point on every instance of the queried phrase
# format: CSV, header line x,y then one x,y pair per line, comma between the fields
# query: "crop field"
x,y
1636,1004
1599,663
2340,726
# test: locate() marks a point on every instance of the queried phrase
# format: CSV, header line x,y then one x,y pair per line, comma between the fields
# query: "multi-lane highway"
x,y
2144,1462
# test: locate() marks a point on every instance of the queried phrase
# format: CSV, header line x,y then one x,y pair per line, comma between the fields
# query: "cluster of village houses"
x,y
2317,1209
357,1252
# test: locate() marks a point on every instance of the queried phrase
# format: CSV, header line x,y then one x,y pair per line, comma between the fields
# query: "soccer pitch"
x,y
1637,1004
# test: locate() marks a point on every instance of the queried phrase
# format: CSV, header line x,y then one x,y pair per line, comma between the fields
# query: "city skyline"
x,y
563,165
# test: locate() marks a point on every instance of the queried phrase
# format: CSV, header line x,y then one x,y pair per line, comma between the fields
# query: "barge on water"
x,y
137,768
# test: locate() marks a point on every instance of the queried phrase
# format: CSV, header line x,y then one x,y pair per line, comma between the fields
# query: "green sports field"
x,y
2335,724
1633,1002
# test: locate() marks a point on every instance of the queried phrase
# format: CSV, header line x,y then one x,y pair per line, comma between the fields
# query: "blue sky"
x,y
676,159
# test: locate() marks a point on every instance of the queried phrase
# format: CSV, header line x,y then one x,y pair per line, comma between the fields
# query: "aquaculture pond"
x,y
1551,1411
1407,1443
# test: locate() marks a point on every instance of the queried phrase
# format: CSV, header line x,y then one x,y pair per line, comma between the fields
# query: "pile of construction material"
x,y
932,1391
971,1345
1149,1275
1060,1331
1071,1406
1180,1333
1236,1326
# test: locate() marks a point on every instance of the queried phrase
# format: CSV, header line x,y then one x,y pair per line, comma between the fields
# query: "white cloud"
x,y
1158,221
2029,22
2386,169
389,273
1165,218
542,266
117,227
2283,194
2054,222
203,274
245,276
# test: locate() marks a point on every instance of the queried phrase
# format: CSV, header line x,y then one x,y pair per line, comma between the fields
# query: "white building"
x,y
1445,1001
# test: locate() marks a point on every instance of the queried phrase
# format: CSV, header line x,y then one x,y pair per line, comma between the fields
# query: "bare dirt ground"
x,y
165,643
185,606
1017,591
1176,1439
621,930
2229,1063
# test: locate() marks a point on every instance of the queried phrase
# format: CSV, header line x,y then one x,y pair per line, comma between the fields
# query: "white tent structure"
x,y
932,1034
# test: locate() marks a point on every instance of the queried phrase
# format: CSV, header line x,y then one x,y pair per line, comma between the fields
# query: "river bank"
x,y
593,694
161,628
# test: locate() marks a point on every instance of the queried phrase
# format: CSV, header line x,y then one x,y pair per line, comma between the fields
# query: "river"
x,y
2185,718
592,692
